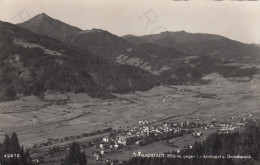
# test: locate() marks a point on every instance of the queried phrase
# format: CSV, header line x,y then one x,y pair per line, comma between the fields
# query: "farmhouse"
x,y
197,134
105,139
122,140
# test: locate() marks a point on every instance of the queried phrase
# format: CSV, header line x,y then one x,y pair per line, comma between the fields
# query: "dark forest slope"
x,y
32,64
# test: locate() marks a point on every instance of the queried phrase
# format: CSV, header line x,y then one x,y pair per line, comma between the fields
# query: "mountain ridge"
x,y
198,44
97,41
110,46
33,64
173,57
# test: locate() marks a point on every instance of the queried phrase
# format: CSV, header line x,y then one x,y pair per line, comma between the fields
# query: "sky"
x,y
237,20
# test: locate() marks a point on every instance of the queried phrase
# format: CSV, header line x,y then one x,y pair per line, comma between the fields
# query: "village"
x,y
155,129
147,132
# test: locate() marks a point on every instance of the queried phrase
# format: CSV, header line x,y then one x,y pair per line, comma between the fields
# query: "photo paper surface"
x,y
131,82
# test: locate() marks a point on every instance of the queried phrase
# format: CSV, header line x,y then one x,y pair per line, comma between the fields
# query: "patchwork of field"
x,y
57,115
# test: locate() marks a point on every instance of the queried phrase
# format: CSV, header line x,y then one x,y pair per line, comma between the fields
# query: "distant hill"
x,y
97,41
199,44
32,64
175,67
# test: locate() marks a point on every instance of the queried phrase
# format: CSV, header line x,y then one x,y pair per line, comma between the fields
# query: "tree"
x,y
14,144
11,146
6,144
75,156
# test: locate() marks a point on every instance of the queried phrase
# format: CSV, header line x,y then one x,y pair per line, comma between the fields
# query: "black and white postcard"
x,y
129,82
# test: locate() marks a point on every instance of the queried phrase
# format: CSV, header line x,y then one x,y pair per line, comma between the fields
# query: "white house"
x,y
101,146
106,140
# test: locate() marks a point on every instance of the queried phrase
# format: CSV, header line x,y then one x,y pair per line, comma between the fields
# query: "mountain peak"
x,y
97,41
42,15
45,25
40,18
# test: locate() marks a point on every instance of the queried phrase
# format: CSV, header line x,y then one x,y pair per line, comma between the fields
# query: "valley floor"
x,y
58,119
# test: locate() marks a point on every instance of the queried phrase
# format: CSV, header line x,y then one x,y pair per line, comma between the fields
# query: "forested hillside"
x,y
32,64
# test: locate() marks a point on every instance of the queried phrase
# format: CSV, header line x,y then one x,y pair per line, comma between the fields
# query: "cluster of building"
x,y
137,135
101,159
228,127
146,130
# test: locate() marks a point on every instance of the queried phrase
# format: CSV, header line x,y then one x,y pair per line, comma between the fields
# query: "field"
x,y
59,115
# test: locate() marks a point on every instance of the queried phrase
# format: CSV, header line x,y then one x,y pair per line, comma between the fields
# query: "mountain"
x,y
135,40
45,25
257,45
172,66
175,37
151,57
33,64
172,57
109,46
97,41
198,44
